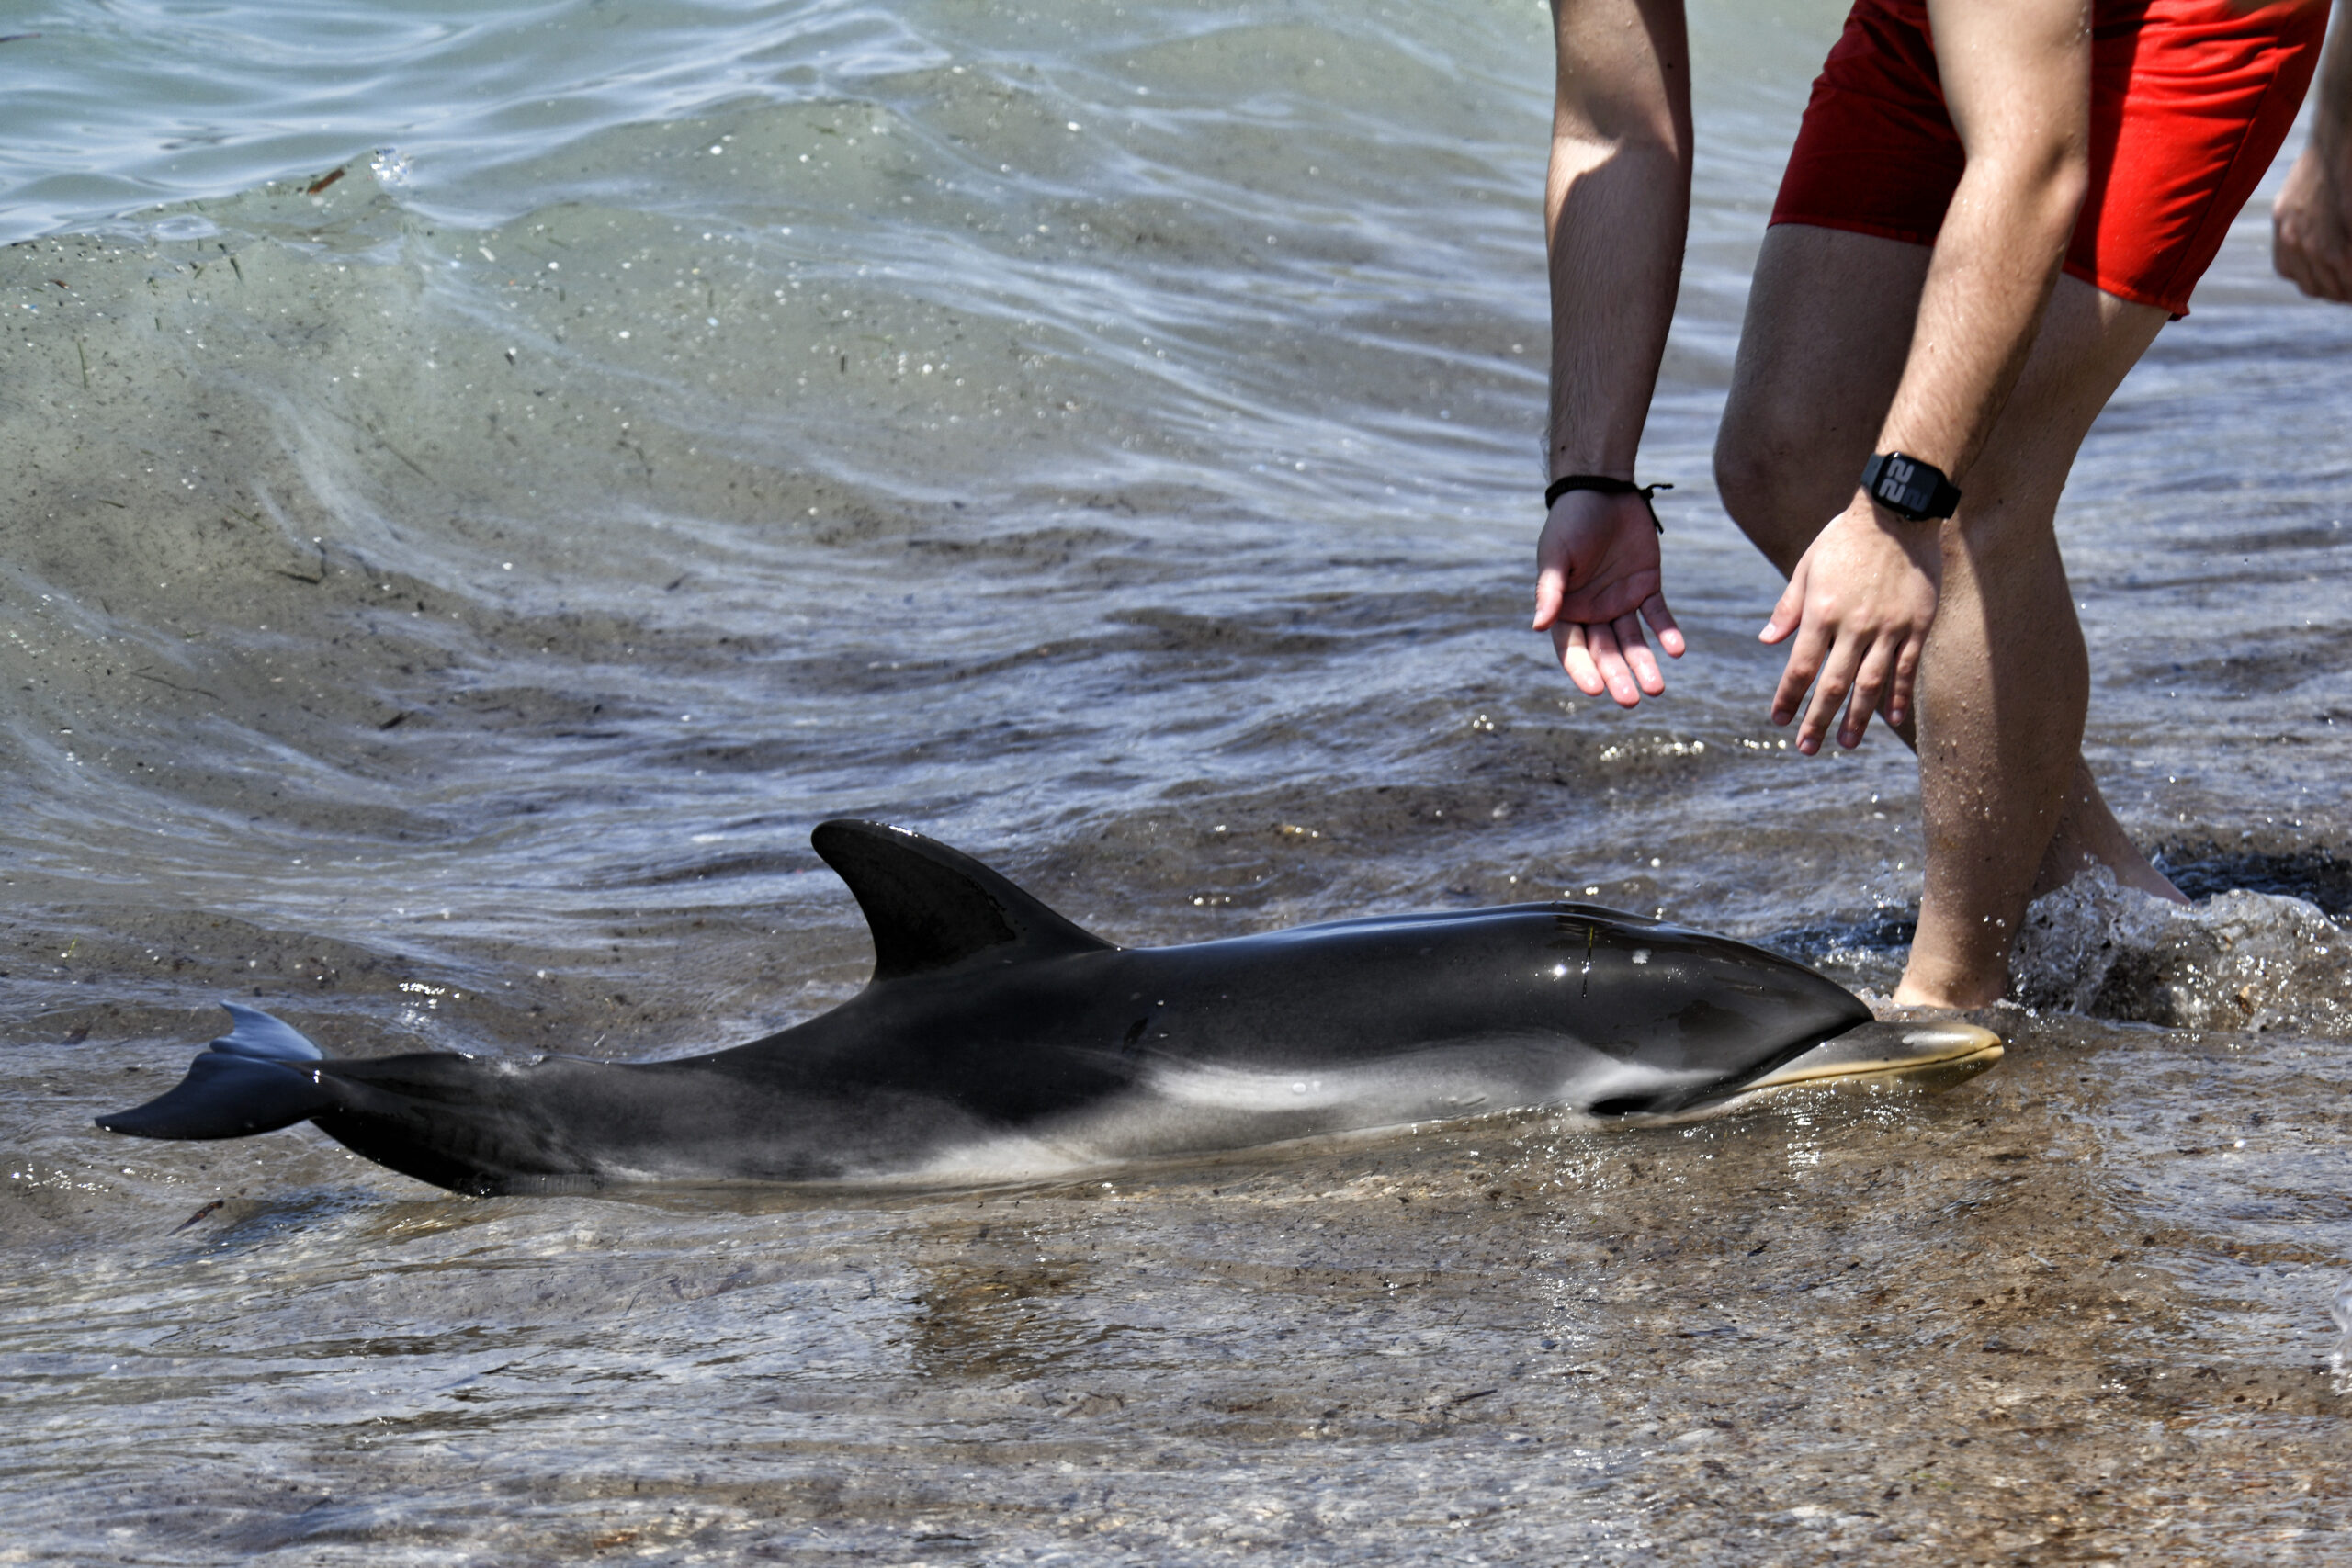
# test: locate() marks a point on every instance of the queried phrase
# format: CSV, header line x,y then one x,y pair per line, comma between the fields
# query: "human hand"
x,y
2311,231
1596,581
1861,602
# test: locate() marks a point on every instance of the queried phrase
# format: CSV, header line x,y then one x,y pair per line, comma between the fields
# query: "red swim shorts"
x,y
2189,101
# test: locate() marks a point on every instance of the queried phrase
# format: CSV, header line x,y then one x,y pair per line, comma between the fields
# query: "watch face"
x,y
1909,487
1898,483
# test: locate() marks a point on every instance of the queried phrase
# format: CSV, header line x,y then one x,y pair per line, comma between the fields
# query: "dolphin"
x,y
998,1041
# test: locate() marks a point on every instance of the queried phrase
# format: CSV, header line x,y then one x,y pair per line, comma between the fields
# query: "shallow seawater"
x,y
536,464
2076,1310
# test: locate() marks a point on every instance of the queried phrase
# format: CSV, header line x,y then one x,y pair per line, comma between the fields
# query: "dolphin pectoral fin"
x,y
1923,1056
229,1095
929,906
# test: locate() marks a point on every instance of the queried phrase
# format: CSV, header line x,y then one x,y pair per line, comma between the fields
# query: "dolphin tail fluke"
x,y
256,1079
259,1034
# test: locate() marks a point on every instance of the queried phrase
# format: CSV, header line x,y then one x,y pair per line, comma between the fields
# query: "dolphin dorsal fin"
x,y
929,906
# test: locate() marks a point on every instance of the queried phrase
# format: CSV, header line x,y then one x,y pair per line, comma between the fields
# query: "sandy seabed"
x,y
2072,1311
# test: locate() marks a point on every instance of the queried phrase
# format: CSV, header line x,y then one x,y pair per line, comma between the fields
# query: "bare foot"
x,y
1893,1010
1912,998
1938,980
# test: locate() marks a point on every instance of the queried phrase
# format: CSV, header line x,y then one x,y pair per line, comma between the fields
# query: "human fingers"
x,y
1835,681
1878,662
2301,269
1796,676
2287,263
2287,243
2310,249
1661,620
1788,611
2308,243
1639,660
2331,269
1610,651
1551,587
1905,683
2297,258
1575,657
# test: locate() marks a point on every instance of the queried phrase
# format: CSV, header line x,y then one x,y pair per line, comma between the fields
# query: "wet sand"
x,y
2072,1311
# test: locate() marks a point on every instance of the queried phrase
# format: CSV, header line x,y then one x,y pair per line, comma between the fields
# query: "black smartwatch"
x,y
1909,488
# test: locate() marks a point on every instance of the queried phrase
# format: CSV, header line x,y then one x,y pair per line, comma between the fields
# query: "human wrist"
x,y
2328,150
1911,487
2333,157
1922,541
1608,485
2330,102
1561,461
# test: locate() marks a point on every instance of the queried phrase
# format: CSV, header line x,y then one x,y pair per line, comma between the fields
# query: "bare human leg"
x,y
2010,809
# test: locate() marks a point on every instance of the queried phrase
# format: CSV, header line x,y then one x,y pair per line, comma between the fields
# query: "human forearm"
x,y
2310,225
1994,264
2023,115
2332,103
1616,209
1866,592
2016,76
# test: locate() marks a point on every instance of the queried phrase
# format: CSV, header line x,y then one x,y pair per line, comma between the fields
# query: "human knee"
x,y
1766,473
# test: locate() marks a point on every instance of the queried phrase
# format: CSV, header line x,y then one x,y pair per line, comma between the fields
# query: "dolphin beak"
x,y
1922,1055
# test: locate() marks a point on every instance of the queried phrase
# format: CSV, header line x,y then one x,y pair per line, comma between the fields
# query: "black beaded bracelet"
x,y
1606,485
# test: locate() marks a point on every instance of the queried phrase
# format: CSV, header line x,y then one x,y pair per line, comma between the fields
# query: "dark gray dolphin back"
x,y
931,907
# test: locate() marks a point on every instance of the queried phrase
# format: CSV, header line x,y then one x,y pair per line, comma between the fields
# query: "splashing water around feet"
x,y
2340,1362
